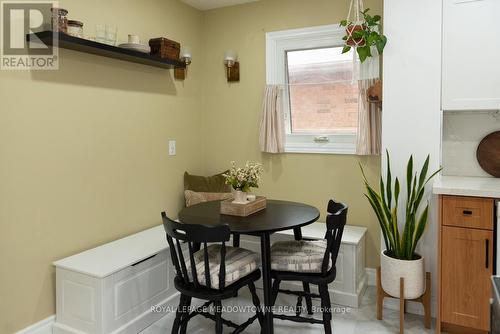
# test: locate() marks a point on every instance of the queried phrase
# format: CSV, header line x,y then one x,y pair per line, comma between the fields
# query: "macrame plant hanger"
x,y
355,22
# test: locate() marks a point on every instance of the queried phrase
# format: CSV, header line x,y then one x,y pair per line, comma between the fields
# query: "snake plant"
x,y
385,204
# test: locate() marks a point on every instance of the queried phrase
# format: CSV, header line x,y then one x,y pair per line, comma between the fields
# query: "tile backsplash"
x,y
462,133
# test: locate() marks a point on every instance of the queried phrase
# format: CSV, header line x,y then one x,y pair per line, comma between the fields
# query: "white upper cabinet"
x,y
471,55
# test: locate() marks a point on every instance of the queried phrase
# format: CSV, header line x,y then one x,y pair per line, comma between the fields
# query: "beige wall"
x,y
231,112
84,150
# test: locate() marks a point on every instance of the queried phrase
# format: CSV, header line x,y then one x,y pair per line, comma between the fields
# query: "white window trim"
x,y
277,43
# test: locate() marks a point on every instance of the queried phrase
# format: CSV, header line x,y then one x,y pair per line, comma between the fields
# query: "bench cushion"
x,y
302,256
193,197
239,263
210,184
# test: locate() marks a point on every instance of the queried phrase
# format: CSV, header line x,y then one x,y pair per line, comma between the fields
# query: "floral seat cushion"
x,y
298,256
239,263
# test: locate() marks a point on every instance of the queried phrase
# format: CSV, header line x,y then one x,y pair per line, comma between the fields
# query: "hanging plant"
x,y
363,34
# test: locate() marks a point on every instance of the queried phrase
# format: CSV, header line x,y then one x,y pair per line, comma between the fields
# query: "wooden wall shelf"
x,y
87,46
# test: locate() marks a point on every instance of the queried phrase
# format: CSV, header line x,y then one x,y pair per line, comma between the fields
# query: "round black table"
x,y
278,216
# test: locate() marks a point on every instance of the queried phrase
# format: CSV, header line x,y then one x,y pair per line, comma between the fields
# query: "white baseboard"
x,y
42,327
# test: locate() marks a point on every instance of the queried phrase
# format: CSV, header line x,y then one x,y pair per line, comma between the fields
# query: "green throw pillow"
x,y
210,184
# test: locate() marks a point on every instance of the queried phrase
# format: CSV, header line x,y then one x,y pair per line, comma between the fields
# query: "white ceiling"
x,y
211,4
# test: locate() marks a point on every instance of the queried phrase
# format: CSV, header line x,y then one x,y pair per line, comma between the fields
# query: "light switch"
x,y
171,147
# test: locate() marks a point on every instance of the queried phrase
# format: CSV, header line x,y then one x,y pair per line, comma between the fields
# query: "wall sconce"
x,y
232,66
186,57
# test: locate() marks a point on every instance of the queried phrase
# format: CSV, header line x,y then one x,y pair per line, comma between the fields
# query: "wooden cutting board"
x,y
488,154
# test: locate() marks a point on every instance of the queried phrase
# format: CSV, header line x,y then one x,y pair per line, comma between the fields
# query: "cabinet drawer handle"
x,y
487,253
148,258
467,212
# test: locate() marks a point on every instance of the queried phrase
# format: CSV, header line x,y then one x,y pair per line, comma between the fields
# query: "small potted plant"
x,y
242,179
400,259
364,35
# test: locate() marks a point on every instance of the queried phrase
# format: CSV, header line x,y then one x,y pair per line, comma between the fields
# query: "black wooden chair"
x,y
213,273
310,262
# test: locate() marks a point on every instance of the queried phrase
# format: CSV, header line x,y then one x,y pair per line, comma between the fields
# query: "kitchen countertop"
x,y
467,186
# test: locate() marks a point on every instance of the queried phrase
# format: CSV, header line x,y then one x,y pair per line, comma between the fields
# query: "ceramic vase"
x,y
412,271
240,197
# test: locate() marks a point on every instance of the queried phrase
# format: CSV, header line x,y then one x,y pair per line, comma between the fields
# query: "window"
x,y
320,97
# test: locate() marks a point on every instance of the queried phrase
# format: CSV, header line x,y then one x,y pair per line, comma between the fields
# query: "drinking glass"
x,y
111,32
100,33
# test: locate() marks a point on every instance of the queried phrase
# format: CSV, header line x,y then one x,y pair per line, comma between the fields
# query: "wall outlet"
x,y
171,147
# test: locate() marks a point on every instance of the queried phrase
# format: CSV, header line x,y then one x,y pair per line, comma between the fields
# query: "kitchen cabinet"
x,y
471,70
467,268
465,264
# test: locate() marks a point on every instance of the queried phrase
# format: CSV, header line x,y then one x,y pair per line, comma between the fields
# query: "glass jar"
x,y
59,20
75,28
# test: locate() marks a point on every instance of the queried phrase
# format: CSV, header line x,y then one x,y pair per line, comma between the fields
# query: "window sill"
x,y
335,144
348,150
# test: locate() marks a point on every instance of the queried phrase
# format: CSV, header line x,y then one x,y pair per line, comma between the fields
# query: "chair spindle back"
x,y
335,222
195,235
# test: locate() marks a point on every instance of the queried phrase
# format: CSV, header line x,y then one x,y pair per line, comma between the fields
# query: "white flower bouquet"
x,y
244,178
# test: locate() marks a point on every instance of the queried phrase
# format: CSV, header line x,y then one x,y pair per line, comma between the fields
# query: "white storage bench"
x,y
351,281
113,288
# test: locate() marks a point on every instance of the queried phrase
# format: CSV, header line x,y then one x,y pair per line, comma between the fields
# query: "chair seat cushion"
x,y
301,256
239,263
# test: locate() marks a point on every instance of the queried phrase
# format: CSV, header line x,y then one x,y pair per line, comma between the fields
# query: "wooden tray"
x,y
227,207
488,154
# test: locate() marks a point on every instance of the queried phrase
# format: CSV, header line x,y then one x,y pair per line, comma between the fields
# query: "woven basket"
x,y
165,48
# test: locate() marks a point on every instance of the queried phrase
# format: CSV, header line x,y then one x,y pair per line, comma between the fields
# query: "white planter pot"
x,y
412,272
240,197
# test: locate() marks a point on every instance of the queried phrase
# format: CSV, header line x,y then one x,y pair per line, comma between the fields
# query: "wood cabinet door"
x,y
467,261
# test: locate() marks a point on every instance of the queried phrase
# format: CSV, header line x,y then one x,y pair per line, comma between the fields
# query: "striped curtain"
x,y
272,124
369,122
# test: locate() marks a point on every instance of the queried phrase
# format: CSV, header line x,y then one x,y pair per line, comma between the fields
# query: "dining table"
x,y
277,216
